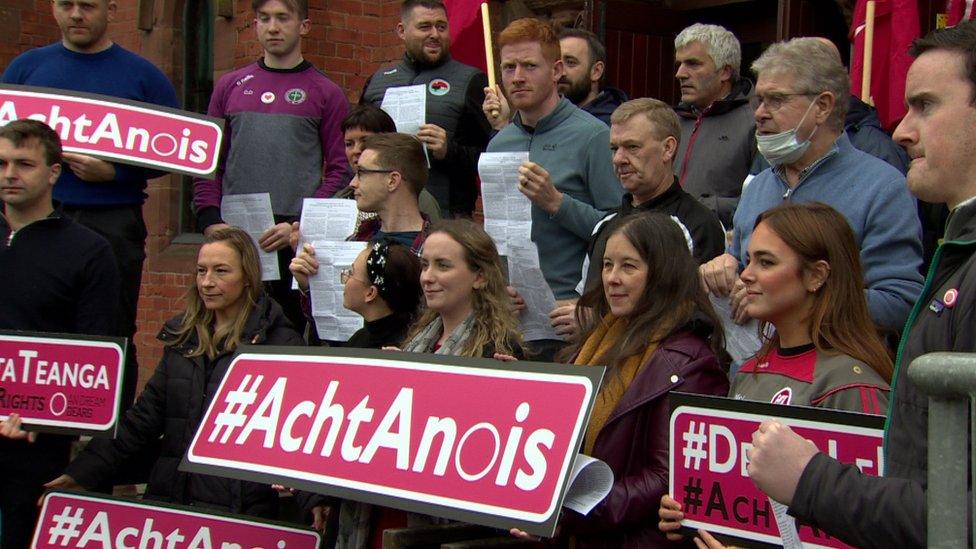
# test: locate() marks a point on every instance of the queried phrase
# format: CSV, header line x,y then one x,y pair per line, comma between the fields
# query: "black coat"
x,y
171,406
868,511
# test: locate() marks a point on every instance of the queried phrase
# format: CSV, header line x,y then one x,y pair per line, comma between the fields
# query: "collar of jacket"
x,y
740,94
627,206
417,66
255,330
564,109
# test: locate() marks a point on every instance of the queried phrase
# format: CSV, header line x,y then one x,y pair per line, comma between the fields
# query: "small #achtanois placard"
x,y
120,130
477,440
61,383
73,519
709,440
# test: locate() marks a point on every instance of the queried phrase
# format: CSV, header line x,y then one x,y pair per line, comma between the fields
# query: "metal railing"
x,y
949,380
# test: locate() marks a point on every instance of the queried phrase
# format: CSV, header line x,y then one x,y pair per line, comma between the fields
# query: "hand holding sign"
x,y
777,459
11,429
89,168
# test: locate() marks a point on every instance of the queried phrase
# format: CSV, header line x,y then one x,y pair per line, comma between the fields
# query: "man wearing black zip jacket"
x,y
939,134
58,276
456,132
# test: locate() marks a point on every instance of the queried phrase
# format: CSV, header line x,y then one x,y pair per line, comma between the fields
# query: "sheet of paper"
x,y
787,526
407,106
252,212
742,342
333,321
508,219
589,483
328,219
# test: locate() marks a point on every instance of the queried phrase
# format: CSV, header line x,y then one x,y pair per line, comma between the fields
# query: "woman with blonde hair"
x,y
226,307
466,309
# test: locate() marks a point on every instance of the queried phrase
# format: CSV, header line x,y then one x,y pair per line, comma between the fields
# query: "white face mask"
x,y
783,148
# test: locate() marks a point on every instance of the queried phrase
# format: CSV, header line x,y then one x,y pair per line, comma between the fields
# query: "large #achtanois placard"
x,y
71,519
477,440
61,383
120,130
709,440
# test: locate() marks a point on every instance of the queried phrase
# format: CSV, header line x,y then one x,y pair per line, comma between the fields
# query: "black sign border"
x,y
773,411
108,432
545,528
216,513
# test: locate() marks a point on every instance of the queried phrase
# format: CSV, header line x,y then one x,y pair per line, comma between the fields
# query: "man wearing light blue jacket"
x,y
801,100
569,175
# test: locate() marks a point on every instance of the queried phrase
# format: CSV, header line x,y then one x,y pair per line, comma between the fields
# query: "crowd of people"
x,y
643,213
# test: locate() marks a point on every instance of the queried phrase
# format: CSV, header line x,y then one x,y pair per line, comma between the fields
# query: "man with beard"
x,y
103,196
280,111
584,65
456,132
717,127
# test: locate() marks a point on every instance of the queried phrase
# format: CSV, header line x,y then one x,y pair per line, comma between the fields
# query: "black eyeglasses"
x,y
360,171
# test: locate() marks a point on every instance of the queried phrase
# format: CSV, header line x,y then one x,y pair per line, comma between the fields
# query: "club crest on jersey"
x,y
267,98
296,96
783,396
439,86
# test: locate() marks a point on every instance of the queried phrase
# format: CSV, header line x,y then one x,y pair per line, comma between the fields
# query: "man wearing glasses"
x,y
392,171
800,101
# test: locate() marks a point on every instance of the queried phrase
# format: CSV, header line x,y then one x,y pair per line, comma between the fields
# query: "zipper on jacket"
x,y
691,145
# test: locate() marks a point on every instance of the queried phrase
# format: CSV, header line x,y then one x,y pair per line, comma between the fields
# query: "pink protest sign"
x,y
709,440
67,384
70,519
120,130
471,439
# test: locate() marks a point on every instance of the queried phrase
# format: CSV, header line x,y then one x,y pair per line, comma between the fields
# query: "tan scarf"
x,y
604,338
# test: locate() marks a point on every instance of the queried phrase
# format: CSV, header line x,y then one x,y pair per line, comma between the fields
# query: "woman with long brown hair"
x,y
820,347
466,309
654,329
804,285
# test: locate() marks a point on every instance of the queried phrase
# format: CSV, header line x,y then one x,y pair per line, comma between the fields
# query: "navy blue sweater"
x,y
116,72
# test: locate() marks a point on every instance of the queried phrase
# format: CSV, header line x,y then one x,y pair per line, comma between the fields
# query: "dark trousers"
x,y
125,230
26,467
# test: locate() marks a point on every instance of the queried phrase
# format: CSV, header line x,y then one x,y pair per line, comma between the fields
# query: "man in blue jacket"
x,y
801,98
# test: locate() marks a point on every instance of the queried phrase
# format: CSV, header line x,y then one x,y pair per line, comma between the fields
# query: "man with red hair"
x,y
568,177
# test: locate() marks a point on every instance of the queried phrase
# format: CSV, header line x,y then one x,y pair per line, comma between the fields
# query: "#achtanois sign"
x,y
120,130
709,440
64,384
476,440
94,521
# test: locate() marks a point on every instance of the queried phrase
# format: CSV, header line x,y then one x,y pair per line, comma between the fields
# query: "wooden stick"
x,y
489,51
868,53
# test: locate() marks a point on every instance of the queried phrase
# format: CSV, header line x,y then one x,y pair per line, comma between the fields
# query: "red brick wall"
x,y
348,40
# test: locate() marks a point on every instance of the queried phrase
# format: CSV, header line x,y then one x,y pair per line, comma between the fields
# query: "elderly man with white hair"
x,y
800,101
717,128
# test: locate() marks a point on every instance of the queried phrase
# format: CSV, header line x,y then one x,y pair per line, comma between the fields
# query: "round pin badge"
x,y
267,98
439,86
950,297
296,96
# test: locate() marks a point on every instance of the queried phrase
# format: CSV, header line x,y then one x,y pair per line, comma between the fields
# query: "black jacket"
x,y
891,512
707,234
605,103
171,406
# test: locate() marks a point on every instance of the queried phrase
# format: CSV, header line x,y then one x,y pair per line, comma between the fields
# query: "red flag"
x,y
467,34
895,26
959,10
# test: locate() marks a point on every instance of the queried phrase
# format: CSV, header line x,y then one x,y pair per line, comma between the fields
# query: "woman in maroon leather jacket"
x,y
651,324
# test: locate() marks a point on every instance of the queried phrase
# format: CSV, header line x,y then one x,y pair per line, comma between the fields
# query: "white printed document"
x,y
252,213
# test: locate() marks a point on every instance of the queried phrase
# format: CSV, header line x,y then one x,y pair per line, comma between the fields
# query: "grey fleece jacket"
x,y
574,148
